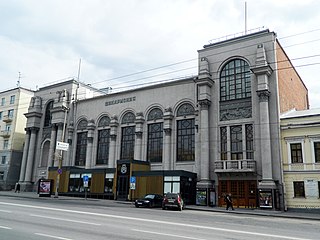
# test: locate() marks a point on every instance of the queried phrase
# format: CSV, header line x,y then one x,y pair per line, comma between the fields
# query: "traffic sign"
x,y
59,171
85,178
132,179
62,146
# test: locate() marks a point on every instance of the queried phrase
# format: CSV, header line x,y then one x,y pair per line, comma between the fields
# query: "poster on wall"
x,y
265,199
311,188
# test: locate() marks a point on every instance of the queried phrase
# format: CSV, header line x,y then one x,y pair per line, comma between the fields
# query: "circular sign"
x,y
59,171
123,168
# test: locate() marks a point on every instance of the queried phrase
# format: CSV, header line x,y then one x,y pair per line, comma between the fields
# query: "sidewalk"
x,y
310,214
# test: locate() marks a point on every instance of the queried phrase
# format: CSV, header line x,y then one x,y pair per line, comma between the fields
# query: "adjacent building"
x,y
300,140
13,104
204,136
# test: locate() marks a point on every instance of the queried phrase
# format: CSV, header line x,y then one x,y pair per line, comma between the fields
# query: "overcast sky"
x,y
120,42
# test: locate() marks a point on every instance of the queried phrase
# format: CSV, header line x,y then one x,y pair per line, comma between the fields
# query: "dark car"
x,y
173,200
149,200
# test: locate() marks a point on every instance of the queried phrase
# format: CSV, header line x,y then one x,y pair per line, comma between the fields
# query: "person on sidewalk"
x,y
17,187
229,202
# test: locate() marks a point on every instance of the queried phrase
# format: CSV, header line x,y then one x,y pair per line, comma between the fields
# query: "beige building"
x,y
13,104
300,140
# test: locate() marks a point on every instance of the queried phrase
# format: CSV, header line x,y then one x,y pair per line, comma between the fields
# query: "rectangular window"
x,y
298,188
317,152
12,99
5,144
224,141
8,127
155,142
1,176
108,183
81,149
296,153
103,146
0,115
3,159
249,141
127,143
3,101
236,142
185,140
10,113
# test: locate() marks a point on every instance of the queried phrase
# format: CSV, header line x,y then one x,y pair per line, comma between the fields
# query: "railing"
x,y
5,134
244,165
300,167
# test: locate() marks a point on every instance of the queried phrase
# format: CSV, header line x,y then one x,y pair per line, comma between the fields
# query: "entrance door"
x,y
123,187
244,193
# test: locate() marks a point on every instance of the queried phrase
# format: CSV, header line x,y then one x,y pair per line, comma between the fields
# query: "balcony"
x,y
235,166
5,134
7,118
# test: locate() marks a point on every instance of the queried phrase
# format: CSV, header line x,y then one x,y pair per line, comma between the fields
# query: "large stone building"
x,y
14,103
300,140
204,136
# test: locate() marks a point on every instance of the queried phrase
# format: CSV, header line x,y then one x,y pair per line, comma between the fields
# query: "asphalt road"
x,y
82,220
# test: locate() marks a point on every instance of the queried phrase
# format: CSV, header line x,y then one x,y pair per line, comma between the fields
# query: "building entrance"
x,y
123,187
244,193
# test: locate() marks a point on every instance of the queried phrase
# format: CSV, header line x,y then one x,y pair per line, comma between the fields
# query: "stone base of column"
x,y
267,184
27,187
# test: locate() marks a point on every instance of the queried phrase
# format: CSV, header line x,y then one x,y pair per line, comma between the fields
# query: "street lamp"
x,y
60,156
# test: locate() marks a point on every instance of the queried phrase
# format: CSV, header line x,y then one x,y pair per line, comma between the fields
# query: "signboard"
x,y
132,183
85,181
62,146
45,188
311,187
265,199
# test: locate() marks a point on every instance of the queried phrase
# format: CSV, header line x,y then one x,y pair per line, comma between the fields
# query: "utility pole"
x,y
56,195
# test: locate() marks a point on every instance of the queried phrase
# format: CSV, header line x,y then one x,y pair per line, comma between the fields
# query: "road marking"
x,y
3,227
5,211
153,221
51,236
170,235
67,220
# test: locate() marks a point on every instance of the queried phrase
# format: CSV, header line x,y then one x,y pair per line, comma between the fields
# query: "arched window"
x,y
235,82
81,148
48,116
127,136
155,136
186,133
103,141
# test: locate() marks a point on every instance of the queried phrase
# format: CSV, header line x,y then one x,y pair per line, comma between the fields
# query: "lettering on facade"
x,y
121,100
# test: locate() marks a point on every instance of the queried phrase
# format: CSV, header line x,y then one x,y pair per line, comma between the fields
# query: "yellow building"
x,y
300,139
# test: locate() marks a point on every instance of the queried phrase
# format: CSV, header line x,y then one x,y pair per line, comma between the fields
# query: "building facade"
x,y
14,103
213,134
300,140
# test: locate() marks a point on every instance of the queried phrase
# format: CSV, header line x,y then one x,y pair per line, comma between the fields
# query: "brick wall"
x,y
292,91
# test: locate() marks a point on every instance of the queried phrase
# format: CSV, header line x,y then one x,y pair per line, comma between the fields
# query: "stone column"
x,y
138,141
112,151
167,128
25,155
31,152
53,141
113,139
265,141
167,149
204,140
89,158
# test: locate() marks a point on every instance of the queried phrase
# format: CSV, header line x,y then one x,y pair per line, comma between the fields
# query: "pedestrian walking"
x,y
229,202
17,187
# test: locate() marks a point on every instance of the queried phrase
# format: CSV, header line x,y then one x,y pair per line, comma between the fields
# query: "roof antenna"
x,y
245,17
19,78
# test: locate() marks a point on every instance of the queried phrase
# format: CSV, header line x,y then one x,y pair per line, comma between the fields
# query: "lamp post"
x,y
56,194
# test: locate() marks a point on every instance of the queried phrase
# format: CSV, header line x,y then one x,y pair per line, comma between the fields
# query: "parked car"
x,y
173,200
149,200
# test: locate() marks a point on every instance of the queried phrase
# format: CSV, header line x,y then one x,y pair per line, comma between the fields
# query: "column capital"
x,y
139,134
113,137
263,95
32,129
167,131
204,104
